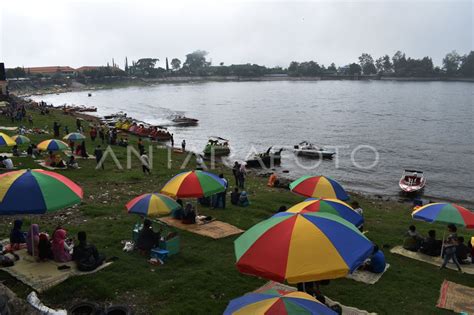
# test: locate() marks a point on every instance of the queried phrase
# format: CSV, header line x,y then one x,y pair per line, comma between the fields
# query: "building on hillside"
x,y
49,71
88,68
3,80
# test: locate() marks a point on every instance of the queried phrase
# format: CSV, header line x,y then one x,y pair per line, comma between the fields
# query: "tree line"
x,y
197,64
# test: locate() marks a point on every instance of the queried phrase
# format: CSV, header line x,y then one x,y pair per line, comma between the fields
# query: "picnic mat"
x,y
437,261
346,310
214,229
8,128
43,275
456,297
51,168
367,276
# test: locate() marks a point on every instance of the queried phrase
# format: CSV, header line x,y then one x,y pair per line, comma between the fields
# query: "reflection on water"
x,y
422,125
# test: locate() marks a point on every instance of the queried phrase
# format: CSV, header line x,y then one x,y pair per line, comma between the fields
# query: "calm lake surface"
x,y
427,126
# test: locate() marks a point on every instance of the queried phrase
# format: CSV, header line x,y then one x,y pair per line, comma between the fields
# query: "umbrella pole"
x,y
442,245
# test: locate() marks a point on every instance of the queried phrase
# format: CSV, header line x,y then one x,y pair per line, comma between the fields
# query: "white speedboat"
x,y
309,150
412,181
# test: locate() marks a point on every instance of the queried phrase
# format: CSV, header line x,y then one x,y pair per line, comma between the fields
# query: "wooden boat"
x,y
217,146
412,181
266,159
309,150
184,121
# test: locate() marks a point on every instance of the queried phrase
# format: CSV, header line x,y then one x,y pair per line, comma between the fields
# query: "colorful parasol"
x,y
6,140
193,184
36,191
20,139
74,136
152,205
53,145
301,247
318,187
333,206
275,303
445,213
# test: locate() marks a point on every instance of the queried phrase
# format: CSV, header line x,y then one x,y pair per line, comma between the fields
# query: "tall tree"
x,y
332,67
451,62
354,69
196,61
167,66
467,65
175,64
126,65
399,63
367,64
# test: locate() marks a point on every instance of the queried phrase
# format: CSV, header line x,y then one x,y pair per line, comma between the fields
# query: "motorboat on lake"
x,y
267,159
309,150
412,181
184,121
217,146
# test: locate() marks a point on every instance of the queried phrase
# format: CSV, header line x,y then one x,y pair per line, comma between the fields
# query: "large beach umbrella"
x,y
333,206
318,187
74,136
52,145
301,247
21,139
36,191
445,213
275,303
152,205
193,184
6,140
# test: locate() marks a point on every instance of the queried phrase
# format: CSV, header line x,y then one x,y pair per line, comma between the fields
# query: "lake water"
x,y
427,126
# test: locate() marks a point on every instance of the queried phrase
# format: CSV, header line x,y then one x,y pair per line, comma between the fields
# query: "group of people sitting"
x,y
148,239
58,247
6,163
186,214
453,248
238,198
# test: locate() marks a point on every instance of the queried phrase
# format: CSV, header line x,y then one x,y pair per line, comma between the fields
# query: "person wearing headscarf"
x,y
32,240
61,250
44,247
189,216
16,235
243,199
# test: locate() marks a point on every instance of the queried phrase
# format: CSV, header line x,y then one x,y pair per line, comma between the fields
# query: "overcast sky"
x,y
76,33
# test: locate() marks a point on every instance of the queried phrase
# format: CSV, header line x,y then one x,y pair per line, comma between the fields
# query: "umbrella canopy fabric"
x,y
52,145
36,192
152,205
194,184
318,187
74,136
6,140
333,206
270,303
301,247
20,139
445,213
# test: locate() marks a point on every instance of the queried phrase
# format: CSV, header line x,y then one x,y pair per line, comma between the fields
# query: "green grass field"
x,y
202,278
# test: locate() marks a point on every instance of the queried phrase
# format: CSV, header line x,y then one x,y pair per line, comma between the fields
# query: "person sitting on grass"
x,y
234,196
376,264
412,239
60,248
72,163
462,251
282,209
178,214
32,240
85,255
430,245
189,215
44,248
15,151
17,237
243,199
147,239
8,163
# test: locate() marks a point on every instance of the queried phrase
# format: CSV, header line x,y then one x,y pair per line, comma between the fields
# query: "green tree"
x,y
17,72
196,62
399,63
367,64
354,69
451,62
467,66
175,64
332,67
383,64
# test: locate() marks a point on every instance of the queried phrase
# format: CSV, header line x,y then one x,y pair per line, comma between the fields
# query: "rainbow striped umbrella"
x,y
6,141
275,303
445,213
318,187
333,206
301,247
152,205
52,145
193,184
36,191
20,139
74,136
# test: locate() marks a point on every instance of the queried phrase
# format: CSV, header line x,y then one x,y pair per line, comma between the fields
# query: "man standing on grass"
x,y
145,163
98,157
